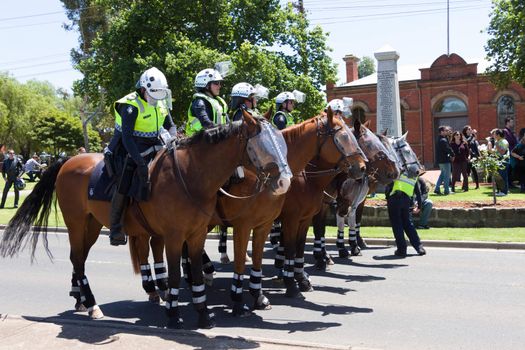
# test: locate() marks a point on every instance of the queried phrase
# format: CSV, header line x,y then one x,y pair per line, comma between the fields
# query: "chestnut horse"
x,y
382,168
183,197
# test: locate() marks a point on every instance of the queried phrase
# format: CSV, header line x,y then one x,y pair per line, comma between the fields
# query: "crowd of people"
x,y
456,150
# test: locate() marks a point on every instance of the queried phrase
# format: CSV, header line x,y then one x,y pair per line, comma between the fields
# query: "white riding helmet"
x,y
243,90
338,105
206,76
155,83
284,96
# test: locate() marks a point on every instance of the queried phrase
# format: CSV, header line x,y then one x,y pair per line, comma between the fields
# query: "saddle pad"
x,y
100,185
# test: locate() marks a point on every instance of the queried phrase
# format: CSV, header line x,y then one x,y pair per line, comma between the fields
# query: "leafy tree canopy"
x,y
506,46
267,43
366,67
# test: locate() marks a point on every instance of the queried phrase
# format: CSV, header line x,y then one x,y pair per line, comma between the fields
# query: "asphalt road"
x,y
448,299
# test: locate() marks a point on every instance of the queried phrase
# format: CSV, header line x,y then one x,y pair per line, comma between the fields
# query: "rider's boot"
x,y
118,205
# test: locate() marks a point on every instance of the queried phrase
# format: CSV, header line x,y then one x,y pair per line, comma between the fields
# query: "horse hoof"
x,y
278,264
80,307
163,294
329,260
175,323
206,320
293,292
306,287
95,313
362,244
343,253
262,303
154,297
356,251
241,310
320,265
225,260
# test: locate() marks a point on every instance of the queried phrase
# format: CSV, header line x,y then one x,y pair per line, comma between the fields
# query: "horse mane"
x,y
212,135
295,131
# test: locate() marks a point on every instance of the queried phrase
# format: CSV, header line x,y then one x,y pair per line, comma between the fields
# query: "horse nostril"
x,y
363,169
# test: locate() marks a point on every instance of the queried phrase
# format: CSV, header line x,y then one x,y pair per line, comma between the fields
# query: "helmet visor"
x,y
300,97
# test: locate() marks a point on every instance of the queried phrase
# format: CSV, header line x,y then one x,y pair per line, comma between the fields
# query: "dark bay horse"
x,y
183,198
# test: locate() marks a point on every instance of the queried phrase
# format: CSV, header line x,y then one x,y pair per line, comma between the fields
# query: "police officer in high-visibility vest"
x,y
399,201
285,104
139,117
207,109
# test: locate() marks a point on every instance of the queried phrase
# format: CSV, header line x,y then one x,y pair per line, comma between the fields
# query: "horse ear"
x,y
385,132
248,118
404,137
269,113
367,124
330,117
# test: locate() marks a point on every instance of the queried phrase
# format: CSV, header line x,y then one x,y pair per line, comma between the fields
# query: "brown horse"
x,y
382,168
183,198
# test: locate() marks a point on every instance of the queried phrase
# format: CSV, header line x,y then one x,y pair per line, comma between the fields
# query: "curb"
x,y
377,241
144,330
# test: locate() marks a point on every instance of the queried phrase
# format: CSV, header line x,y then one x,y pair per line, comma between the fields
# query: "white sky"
x,y
35,46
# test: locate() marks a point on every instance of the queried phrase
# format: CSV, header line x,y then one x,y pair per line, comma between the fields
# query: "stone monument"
x,y
388,103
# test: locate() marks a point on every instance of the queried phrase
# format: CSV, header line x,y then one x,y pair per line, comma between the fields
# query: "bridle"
x,y
324,131
399,144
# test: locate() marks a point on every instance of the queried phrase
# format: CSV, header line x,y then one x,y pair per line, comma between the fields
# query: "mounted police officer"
x,y
243,98
341,108
139,117
207,108
284,104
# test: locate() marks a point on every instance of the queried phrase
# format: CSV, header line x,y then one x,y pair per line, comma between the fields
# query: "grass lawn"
x,y
514,234
511,234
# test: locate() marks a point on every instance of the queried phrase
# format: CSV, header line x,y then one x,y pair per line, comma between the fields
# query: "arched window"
x,y
359,113
452,105
505,109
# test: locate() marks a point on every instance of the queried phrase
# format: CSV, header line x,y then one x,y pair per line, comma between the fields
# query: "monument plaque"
x,y
388,103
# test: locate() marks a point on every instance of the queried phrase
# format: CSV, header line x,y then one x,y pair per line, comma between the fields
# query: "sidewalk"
x,y
18,332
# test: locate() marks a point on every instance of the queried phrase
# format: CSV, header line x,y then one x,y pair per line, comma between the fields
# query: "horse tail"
x,y
133,253
34,211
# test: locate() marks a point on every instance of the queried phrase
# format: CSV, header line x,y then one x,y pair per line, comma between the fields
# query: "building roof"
x,y
409,72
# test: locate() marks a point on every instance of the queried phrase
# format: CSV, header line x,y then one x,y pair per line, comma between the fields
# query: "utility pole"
x,y
302,49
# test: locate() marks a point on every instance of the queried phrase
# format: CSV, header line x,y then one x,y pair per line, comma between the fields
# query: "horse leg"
x,y
141,244
195,245
343,252
186,264
289,239
207,268
82,235
359,214
161,274
173,256
318,224
259,238
240,243
275,234
303,280
352,233
223,240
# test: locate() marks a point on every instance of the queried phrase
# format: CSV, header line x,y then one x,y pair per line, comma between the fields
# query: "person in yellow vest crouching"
x,y
207,109
399,201
139,118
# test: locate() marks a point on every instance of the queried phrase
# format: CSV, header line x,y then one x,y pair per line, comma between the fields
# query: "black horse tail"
x,y
35,211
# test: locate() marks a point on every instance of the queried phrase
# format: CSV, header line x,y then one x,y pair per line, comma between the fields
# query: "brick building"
x,y
449,92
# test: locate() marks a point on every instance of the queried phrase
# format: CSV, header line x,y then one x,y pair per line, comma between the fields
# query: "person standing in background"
x,y
444,156
11,171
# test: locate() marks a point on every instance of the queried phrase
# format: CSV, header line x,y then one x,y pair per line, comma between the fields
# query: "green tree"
x,y
506,45
490,163
366,67
181,37
58,132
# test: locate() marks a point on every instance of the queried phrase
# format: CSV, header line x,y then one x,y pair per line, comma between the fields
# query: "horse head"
x,y
382,161
267,151
407,158
344,149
